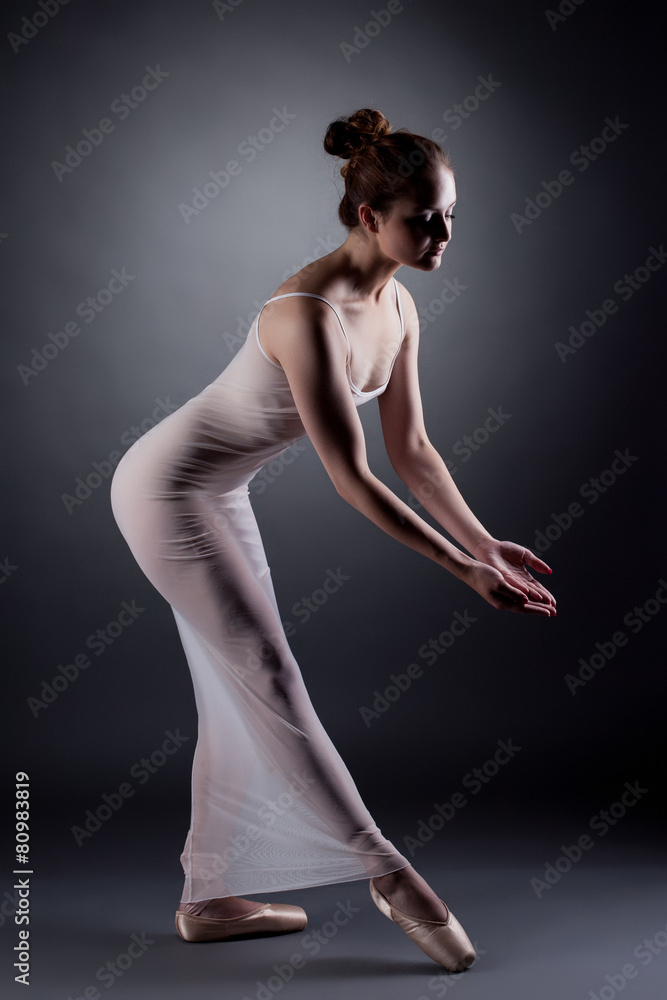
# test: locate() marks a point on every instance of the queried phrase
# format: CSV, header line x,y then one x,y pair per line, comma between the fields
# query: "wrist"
x,y
456,562
478,542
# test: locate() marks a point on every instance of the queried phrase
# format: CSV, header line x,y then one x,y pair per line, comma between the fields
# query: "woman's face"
x,y
420,222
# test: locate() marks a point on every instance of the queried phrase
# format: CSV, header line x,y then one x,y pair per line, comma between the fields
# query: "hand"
x,y
501,577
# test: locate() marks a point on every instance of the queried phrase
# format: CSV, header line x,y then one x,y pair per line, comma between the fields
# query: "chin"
x,y
430,263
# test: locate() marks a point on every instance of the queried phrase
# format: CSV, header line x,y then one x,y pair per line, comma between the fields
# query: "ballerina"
x,y
274,806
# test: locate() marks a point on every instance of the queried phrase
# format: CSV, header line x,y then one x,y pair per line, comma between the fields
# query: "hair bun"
x,y
348,136
378,177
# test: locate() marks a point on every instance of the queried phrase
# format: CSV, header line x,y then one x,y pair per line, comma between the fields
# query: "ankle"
x,y
395,877
194,907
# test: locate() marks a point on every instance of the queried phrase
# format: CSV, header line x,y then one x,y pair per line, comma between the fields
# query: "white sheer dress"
x,y
274,807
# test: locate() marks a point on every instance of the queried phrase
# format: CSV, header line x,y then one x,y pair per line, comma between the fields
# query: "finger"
x,y
516,599
546,596
507,592
541,594
544,599
512,599
533,589
528,608
530,559
536,609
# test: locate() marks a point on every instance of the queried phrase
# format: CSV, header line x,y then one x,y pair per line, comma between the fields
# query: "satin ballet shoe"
x,y
444,941
268,918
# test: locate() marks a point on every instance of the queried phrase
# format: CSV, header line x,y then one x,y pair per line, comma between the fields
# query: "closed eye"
x,y
429,217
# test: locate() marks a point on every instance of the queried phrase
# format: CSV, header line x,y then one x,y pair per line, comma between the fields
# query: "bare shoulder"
x,y
291,325
287,320
409,311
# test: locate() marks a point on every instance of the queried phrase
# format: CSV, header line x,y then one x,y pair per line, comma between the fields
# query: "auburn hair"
x,y
381,165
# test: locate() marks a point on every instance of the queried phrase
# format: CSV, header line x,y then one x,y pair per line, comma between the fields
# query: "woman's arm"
x,y
425,473
307,342
410,451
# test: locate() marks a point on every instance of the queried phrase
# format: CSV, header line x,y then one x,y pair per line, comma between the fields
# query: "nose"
x,y
442,229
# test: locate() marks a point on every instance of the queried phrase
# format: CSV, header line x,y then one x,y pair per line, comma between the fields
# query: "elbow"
x,y
412,457
351,483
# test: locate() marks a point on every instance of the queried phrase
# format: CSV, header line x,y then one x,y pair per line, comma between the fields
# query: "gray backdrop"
x,y
546,311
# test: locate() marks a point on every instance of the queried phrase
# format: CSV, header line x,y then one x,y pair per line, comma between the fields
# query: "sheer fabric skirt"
x,y
274,806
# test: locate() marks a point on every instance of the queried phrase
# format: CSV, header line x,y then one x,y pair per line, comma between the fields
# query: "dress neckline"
x,y
360,392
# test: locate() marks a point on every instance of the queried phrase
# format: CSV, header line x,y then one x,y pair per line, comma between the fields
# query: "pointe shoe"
x,y
444,941
269,918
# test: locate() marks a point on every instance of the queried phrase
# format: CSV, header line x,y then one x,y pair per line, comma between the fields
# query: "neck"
x,y
363,268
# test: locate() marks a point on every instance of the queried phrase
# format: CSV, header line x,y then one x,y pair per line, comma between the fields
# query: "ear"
x,y
367,218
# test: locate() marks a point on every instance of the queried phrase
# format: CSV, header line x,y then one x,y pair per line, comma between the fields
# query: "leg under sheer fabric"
x,y
273,804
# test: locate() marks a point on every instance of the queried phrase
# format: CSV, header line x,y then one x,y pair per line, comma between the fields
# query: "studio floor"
x,y
597,931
